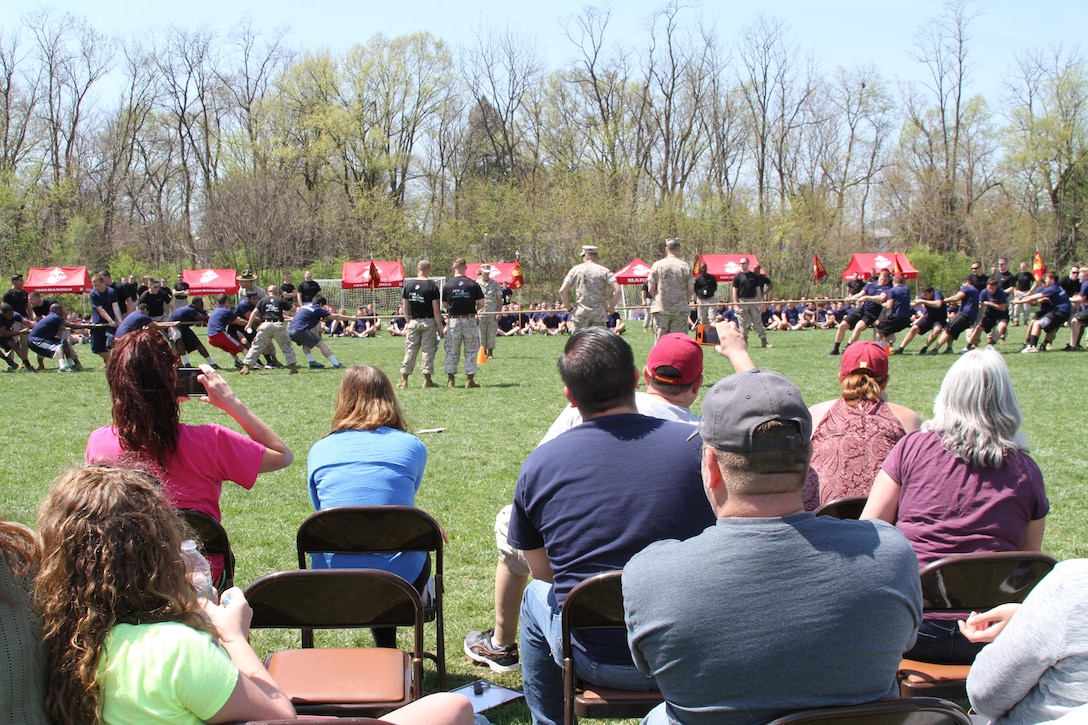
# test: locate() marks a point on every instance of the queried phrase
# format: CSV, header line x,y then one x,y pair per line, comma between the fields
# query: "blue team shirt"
x,y
1000,297
187,313
307,316
937,314
105,299
873,308
969,303
1058,298
219,319
900,297
47,328
135,321
8,324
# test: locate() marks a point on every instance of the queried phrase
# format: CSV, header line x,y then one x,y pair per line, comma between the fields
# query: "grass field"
x,y
474,463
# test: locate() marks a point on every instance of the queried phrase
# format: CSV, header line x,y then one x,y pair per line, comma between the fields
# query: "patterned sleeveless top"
x,y
848,447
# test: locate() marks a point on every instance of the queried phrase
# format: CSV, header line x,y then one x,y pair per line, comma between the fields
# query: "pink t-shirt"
x,y
206,456
948,507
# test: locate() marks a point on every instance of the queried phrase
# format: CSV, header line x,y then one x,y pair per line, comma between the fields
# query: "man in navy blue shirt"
x,y
105,316
967,298
565,482
897,300
14,330
1055,312
182,335
865,315
994,304
934,316
45,339
302,333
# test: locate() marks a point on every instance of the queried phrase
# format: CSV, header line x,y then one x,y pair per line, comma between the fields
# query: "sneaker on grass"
x,y
480,649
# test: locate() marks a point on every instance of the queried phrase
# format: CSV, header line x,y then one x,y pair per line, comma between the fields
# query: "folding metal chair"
x,y
382,529
964,583
844,507
341,681
212,540
597,603
906,711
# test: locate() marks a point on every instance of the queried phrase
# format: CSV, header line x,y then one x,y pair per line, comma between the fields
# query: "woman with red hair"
x,y
192,461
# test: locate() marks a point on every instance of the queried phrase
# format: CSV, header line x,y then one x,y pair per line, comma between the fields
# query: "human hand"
x,y
985,627
219,392
231,617
732,346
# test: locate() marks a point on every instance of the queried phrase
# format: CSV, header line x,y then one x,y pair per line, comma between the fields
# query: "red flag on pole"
x,y
818,268
516,277
897,271
695,266
1038,267
374,275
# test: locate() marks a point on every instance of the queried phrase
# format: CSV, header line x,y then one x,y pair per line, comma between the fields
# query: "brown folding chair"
x,y
597,603
844,507
965,583
341,681
906,711
382,530
212,540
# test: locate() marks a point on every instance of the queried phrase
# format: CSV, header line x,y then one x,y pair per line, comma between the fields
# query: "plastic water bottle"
x,y
200,572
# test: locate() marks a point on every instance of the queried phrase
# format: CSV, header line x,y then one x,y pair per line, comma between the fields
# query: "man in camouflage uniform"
x,y
595,291
671,286
424,324
489,323
464,299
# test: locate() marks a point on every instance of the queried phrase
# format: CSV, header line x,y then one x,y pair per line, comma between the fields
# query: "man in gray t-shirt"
x,y
772,609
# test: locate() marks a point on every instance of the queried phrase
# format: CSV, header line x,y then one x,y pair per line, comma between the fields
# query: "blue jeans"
x,y
542,659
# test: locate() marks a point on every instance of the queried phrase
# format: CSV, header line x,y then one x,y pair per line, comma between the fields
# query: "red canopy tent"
x,y
634,273
501,272
864,263
356,275
725,266
58,280
210,281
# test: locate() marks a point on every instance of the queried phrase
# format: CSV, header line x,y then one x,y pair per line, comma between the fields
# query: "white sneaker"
x,y
1030,348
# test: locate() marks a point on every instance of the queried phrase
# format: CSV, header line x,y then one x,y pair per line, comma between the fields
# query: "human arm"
x,y
910,420
256,695
1030,643
616,294
564,294
539,566
818,412
883,500
276,453
1033,536
732,346
436,311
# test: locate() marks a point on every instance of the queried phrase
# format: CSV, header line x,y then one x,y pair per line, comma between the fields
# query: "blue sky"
x,y
836,32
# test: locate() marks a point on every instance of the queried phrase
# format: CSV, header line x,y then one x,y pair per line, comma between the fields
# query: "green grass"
x,y
473,464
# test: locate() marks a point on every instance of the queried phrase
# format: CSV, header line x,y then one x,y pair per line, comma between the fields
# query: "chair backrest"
x,y
318,720
595,603
982,581
335,599
844,507
212,540
905,711
369,530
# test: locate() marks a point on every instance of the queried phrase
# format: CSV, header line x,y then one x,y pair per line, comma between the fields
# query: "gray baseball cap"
x,y
740,403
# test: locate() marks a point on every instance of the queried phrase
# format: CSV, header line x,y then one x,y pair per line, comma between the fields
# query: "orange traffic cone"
x,y
481,356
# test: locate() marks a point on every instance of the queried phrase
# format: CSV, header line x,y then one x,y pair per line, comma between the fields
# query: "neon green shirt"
x,y
163,673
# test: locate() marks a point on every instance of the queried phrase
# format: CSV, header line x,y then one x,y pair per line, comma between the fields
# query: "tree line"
x,y
184,147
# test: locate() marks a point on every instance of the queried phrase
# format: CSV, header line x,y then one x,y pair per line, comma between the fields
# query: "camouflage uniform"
x,y
673,286
489,324
593,293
